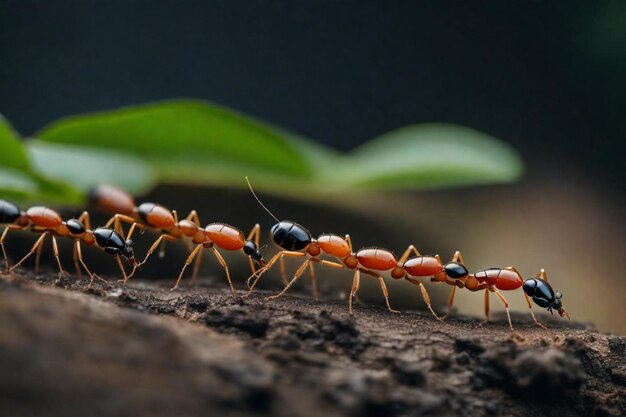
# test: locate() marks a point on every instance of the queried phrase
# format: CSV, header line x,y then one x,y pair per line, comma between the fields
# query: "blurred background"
x,y
548,79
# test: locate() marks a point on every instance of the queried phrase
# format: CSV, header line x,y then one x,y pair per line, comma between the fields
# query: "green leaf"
x,y
20,181
13,155
190,141
428,156
85,167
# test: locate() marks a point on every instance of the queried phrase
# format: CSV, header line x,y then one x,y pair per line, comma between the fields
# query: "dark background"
x,y
548,79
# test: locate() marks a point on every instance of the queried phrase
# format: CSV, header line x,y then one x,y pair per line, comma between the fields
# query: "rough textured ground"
x,y
143,350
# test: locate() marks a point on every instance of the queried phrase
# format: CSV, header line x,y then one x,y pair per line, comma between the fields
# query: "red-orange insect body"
x,y
334,245
155,216
423,266
225,236
44,219
121,205
112,200
377,259
502,279
380,259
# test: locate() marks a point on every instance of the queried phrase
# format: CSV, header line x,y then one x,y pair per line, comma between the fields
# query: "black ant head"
x,y
128,252
455,270
75,227
252,250
558,306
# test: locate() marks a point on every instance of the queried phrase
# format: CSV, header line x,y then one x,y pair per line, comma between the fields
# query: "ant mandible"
x,y
494,280
297,241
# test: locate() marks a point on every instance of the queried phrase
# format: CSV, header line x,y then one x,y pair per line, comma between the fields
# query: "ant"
x,y
455,273
121,205
297,241
48,222
113,200
225,237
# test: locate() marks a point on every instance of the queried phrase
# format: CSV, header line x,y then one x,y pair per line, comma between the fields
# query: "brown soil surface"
x,y
143,350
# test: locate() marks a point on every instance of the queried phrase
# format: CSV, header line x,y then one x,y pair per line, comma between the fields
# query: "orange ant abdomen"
x,y
225,236
423,266
156,216
502,279
334,245
377,259
44,217
111,200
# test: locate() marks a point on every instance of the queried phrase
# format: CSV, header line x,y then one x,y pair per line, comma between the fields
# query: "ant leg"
x,y
386,294
187,262
79,253
2,239
450,302
196,267
425,295
119,263
283,274
356,281
193,217
32,250
116,222
486,308
154,246
258,274
382,286
79,273
163,243
349,240
4,252
55,248
225,266
487,304
85,220
255,236
316,295
38,256
407,252
530,308
542,275
293,280
458,257
506,306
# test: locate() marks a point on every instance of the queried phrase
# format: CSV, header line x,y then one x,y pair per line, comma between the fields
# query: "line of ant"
x,y
293,239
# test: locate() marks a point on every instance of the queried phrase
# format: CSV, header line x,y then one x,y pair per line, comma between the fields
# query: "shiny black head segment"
x,y
9,212
290,236
75,227
542,294
128,250
455,270
112,242
252,250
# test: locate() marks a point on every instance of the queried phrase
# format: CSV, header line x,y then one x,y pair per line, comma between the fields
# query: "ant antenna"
x,y
257,199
